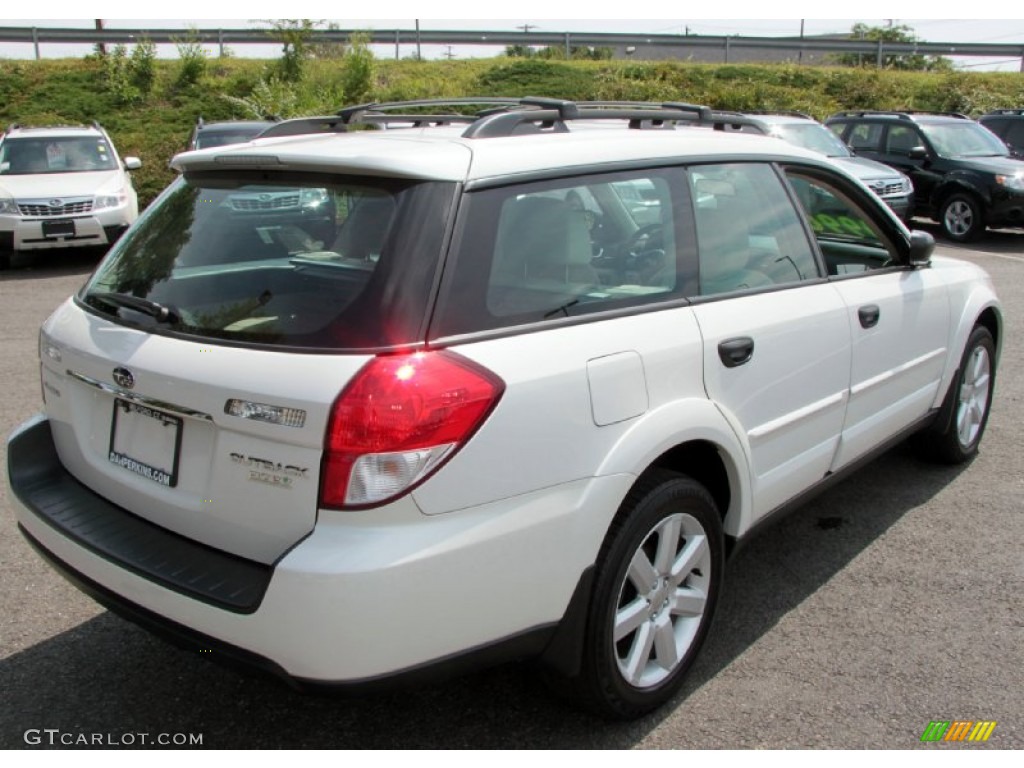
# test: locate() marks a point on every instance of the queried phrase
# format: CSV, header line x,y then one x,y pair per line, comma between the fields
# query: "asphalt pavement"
x,y
889,602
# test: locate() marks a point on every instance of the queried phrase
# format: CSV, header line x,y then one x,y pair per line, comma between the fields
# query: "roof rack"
x,y
303,125
902,114
493,117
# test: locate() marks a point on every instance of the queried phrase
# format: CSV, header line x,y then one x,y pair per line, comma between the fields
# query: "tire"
x,y
5,260
957,433
641,638
962,217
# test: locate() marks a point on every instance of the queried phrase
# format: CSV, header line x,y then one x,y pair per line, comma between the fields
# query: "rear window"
x,y
314,262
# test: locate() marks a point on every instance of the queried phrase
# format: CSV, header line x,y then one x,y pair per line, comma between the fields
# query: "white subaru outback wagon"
x,y
497,386
62,187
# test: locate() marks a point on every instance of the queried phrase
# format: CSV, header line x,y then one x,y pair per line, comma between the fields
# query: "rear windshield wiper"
x,y
162,313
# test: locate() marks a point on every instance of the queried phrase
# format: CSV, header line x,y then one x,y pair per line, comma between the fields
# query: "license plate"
x,y
146,441
59,228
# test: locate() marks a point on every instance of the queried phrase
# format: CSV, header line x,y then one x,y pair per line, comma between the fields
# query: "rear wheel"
x,y
655,592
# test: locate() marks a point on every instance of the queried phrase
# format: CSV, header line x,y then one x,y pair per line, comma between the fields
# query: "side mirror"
x,y
132,163
918,153
921,246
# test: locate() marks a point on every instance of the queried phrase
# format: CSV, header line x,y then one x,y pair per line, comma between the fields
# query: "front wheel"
x,y
961,217
956,435
655,591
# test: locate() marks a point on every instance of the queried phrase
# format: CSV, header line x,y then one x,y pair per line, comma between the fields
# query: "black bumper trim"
x,y
166,558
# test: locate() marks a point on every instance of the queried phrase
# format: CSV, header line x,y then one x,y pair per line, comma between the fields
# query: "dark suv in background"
x,y
1008,125
222,133
963,175
893,187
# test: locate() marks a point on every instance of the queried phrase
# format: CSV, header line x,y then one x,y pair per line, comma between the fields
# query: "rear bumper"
x,y
359,602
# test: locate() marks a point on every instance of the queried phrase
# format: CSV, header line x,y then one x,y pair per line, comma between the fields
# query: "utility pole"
x,y
527,27
448,54
101,47
419,54
800,53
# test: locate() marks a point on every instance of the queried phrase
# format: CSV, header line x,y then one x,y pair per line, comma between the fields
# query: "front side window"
x,y
71,154
556,249
849,240
749,235
902,139
320,262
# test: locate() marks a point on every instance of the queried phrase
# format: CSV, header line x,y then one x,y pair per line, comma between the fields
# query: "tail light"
x,y
399,420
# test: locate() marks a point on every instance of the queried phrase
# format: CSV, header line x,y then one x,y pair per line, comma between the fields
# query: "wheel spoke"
x,y
642,573
688,601
665,644
629,617
694,551
668,544
639,653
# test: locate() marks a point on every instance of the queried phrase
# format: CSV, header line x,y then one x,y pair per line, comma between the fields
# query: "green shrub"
x,y
191,60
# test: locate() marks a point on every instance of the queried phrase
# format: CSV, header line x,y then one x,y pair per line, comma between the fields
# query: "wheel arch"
x,y
690,437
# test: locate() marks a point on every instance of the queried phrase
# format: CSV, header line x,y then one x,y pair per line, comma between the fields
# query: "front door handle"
x,y
869,315
736,352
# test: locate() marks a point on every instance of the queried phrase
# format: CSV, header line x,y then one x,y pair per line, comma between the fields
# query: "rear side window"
x,y
865,136
339,263
536,252
749,235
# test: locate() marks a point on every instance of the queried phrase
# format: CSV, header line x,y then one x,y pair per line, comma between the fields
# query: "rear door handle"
x,y
869,315
736,352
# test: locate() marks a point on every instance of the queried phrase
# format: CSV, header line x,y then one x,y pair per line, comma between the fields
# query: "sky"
x,y
542,15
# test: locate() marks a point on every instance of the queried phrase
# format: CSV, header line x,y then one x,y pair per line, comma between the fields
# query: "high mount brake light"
x,y
398,420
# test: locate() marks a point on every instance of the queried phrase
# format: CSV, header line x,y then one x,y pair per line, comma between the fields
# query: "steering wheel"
x,y
643,239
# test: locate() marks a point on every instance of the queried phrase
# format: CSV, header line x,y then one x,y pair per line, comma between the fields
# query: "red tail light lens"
x,y
398,420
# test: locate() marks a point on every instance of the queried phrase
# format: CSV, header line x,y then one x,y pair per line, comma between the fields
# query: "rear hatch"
x,y
191,380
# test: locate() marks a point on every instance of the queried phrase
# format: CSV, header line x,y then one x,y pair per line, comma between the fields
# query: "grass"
x,y
156,125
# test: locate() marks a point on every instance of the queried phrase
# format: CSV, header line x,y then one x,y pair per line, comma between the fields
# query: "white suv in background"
x,y
62,187
515,390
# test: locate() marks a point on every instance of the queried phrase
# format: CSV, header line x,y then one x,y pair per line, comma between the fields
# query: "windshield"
x,y
317,263
60,154
964,139
814,137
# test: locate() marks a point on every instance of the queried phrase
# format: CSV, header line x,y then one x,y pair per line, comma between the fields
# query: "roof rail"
x,y
492,117
902,114
357,112
1014,111
303,125
553,114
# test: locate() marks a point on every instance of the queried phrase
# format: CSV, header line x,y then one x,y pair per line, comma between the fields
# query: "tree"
x,y
294,36
898,33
